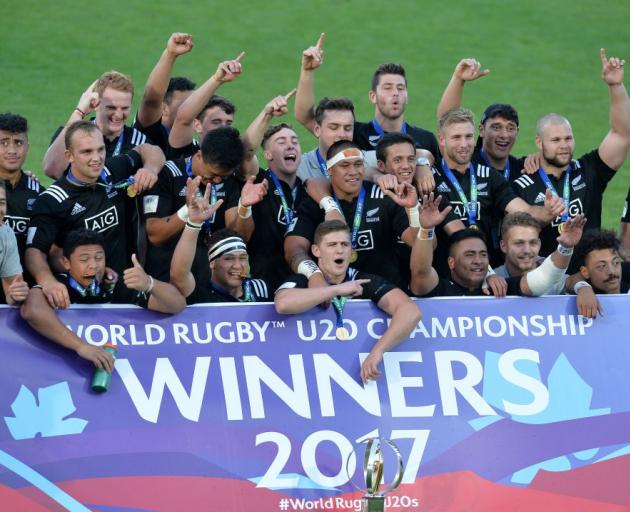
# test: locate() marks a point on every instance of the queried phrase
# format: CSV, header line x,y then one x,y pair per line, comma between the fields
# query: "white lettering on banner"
x,y
223,332
256,372
148,406
324,330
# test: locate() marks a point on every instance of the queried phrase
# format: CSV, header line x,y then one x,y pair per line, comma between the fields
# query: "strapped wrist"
x,y
307,268
244,212
414,216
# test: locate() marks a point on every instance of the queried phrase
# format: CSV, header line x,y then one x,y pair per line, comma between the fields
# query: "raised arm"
x,y
152,162
240,218
55,162
466,70
312,58
199,210
405,316
614,148
41,317
150,110
424,277
183,127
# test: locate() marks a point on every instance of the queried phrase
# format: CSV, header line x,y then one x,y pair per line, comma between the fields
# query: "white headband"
x,y
227,246
346,154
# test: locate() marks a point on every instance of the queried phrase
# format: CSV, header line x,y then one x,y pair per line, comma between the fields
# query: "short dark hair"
x,y
389,68
464,234
326,104
178,83
13,123
327,227
79,126
502,110
338,146
218,101
594,240
272,130
518,219
391,139
81,236
224,147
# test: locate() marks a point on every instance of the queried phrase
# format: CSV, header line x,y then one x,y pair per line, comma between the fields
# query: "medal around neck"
x,y
354,256
373,469
342,333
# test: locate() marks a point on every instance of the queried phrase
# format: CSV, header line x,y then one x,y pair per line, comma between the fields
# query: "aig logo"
x,y
365,240
17,224
103,221
460,210
575,208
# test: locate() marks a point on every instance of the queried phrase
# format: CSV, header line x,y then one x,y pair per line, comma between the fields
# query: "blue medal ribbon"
x,y
358,213
92,290
248,296
119,142
381,132
322,164
566,189
506,171
338,304
471,206
104,181
207,225
288,211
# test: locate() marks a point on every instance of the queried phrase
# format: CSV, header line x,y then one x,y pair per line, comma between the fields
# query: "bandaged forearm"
x,y
541,280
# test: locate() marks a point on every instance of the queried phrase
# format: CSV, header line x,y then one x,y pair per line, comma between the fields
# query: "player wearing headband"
x,y
333,250
227,259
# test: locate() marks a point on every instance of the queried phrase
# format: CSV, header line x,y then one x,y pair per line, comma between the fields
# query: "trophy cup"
x,y
374,499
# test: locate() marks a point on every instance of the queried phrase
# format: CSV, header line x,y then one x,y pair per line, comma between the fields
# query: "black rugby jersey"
x,y
205,291
166,197
266,245
20,201
65,206
382,223
516,164
448,288
120,294
367,137
588,180
625,214
132,137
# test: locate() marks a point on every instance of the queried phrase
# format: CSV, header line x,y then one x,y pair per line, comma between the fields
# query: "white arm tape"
x,y
544,277
414,216
328,204
182,213
307,268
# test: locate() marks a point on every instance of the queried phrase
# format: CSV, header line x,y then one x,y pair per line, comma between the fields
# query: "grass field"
x,y
543,56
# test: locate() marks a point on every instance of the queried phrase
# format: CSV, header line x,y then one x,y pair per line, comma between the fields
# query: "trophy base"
x,y
374,504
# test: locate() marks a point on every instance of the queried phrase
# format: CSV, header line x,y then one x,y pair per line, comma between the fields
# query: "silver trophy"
x,y
373,465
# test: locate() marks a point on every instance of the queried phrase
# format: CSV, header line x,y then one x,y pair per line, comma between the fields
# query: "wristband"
x,y
196,226
77,109
564,251
426,234
491,271
580,284
414,216
246,209
307,268
151,284
182,213
328,204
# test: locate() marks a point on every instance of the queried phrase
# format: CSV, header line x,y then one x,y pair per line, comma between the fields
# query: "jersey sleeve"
x,y
293,281
46,222
233,191
158,201
625,214
307,218
55,135
596,172
400,221
502,192
376,289
123,166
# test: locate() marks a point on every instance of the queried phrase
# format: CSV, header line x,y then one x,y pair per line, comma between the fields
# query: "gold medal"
x,y
131,192
354,256
474,226
561,227
342,333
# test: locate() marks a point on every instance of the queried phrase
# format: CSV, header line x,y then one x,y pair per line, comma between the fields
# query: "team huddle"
x,y
176,209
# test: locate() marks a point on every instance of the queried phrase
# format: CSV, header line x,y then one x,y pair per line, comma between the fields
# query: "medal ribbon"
x,y
207,225
288,212
506,171
248,296
105,182
358,213
471,206
381,132
119,143
339,303
92,290
566,189
322,163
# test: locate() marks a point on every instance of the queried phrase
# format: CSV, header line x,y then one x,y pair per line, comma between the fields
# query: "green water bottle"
x,y
101,378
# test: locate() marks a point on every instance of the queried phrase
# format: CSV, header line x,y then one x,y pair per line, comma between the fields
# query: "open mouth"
x,y
339,261
290,157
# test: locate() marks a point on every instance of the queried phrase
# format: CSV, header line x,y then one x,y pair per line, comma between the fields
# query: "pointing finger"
x,y
240,57
291,94
602,54
320,41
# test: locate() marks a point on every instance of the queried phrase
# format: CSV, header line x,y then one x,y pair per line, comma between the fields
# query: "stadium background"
x,y
543,56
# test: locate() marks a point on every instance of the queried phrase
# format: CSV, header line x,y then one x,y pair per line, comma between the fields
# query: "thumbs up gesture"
x,y
136,278
18,289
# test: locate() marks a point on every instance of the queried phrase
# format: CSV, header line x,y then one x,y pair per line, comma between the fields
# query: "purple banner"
x,y
494,404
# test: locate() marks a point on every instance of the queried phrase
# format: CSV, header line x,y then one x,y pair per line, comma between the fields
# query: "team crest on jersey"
x,y
17,224
103,220
577,183
365,240
150,203
482,189
370,215
460,210
575,208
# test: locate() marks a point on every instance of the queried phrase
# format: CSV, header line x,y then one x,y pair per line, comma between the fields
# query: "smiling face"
x,y
520,245
282,152
390,96
557,144
499,136
457,142
400,160
113,111
333,253
86,155
602,267
86,263
468,262
336,125
228,270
